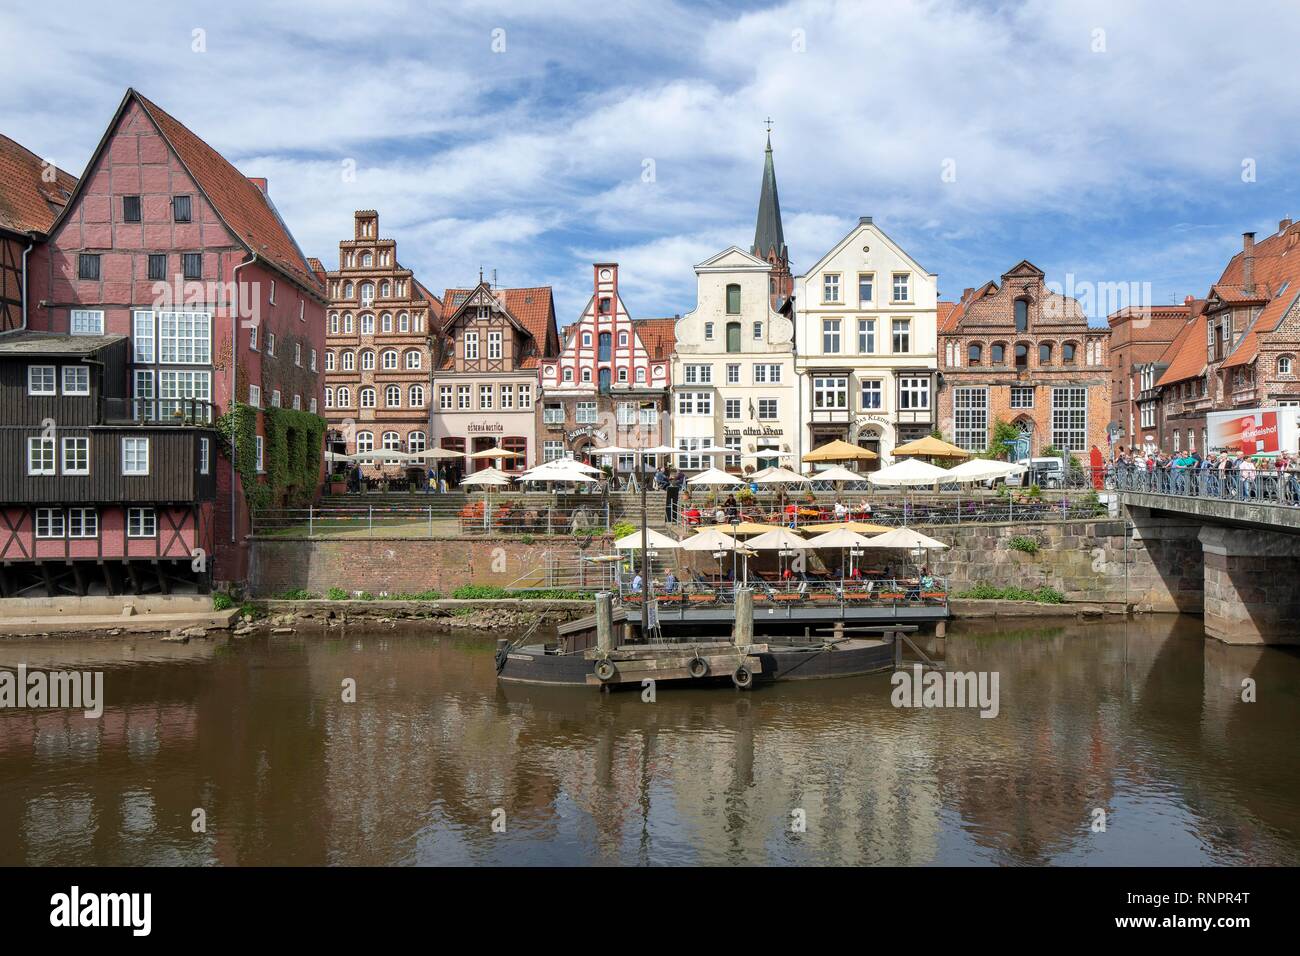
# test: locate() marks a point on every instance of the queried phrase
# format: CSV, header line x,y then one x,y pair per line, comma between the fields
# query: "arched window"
x,y
393,396
366,260
392,442
386,322
367,293
1045,353
334,323
385,289
345,397
349,361
640,375
733,299
390,359
733,336
415,442
348,290
1022,355
413,360
622,373
604,381
329,397
586,375
367,360
329,361
347,323
367,324
1022,315
416,396
365,441
367,397
404,323
997,354
974,354
568,374
1067,353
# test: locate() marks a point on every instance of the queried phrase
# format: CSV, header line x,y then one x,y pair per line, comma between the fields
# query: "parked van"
x,y
1043,472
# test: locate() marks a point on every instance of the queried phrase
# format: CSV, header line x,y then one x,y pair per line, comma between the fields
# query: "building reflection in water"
x,y
1143,720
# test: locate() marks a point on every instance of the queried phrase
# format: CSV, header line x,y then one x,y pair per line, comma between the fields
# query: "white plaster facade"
x,y
733,372
866,345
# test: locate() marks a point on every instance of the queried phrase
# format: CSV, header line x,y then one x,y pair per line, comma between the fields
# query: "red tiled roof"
x,y
533,307
659,336
946,311
246,210
1276,282
27,202
1186,355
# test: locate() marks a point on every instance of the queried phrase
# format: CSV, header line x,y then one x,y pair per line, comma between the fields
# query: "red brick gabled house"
x,y
1140,336
165,242
32,194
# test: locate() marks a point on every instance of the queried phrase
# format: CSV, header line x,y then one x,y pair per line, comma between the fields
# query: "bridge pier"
x,y
1251,595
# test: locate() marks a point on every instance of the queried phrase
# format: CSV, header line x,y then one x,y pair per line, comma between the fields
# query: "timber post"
x,y
742,633
605,621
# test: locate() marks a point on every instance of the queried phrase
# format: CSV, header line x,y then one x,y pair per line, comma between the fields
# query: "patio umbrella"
x,y
439,453
860,527
653,539
740,527
383,454
494,452
488,477
836,473
714,476
904,538
908,472
715,541
982,469
840,450
843,539
781,476
556,475
334,457
931,447
570,463
780,540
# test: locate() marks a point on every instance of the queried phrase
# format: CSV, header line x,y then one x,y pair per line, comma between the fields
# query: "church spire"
x,y
769,236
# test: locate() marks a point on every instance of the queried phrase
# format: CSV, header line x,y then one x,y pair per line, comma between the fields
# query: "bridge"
x,y
1240,537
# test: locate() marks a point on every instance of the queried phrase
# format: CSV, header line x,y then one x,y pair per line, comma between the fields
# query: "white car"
x,y
1043,472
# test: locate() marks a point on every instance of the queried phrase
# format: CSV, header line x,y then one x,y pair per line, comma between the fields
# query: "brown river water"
x,y
1142,721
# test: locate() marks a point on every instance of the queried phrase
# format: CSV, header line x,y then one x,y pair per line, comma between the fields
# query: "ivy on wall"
x,y
291,454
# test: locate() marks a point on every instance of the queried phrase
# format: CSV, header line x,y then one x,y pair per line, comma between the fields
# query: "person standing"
x,y
676,481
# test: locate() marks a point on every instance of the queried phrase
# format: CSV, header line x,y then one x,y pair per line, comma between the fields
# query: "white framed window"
x,y
135,456
767,410
181,391
367,360
526,396
507,396
866,336
866,288
463,398
914,393
830,392
270,343
365,441
271,298
367,397
185,338
873,394
390,360
902,287
343,397
329,361
349,361
76,380
413,360
688,457
142,335
311,360
767,374
367,324
971,418
1070,417
699,374
830,336
329,396
1022,396
552,450
76,456
494,345
49,523
733,374
831,287
708,331
86,322
485,396
41,380
40,456
255,395
297,354
553,414
415,396
731,410
275,398
386,322
205,456
444,398
252,336
141,523
902,335
393,396
694,403
415,442
260,453
471,345
83,523
585,413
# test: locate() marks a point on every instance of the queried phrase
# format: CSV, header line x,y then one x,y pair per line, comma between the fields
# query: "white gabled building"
x,y
866,345
733,369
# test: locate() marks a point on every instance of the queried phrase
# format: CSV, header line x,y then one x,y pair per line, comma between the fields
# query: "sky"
x,y
1108,142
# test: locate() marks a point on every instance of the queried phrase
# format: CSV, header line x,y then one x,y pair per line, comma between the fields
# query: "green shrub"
x,y
991,592
297,594
1035,491
1022,543
553,594
622,529
248,610
526,539
429,595
222,602
365,596
479,592
336,594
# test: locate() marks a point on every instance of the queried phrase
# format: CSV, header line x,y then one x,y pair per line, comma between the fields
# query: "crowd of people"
x,y
1216,474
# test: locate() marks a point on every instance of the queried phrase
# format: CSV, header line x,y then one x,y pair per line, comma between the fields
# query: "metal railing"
x,y
797,591
441,519
1255,485
158,411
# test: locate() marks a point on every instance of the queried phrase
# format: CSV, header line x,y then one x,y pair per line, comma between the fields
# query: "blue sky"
x,y
1101,140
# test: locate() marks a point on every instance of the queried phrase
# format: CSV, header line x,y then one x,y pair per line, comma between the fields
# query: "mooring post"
x,y
605,621
742,633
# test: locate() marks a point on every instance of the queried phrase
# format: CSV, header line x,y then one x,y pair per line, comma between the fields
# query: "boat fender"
x,y
605,670
742,678
697,667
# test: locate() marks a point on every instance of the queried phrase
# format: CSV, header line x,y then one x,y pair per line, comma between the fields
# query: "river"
x,y
247,753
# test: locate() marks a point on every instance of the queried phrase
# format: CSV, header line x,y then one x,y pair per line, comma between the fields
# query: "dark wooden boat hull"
x,y
531,665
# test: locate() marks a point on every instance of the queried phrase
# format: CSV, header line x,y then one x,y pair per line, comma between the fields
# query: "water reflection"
x,y
1143,721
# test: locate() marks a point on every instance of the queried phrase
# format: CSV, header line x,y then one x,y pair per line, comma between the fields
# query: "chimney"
x,y
1284,224
260,183
1248,262
966,294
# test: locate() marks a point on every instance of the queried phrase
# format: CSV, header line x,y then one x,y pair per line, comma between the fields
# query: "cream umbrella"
x,y
931,447
713,540
782,476
495,452
904,538
488,477
334,457
982,469
835,473
843,539
439,453
382,454
714,476
840,450
740,527
861,527
652,539
556,476
909,472
780,540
